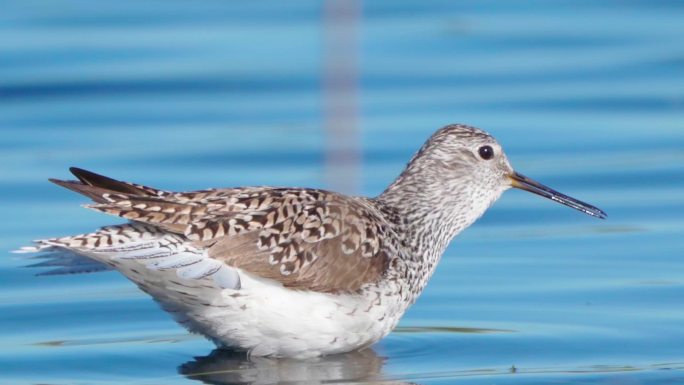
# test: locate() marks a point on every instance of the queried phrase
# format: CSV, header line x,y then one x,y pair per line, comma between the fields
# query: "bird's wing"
x,y
95,185
303,238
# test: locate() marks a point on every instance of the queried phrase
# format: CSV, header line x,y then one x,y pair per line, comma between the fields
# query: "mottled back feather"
x,y
304,238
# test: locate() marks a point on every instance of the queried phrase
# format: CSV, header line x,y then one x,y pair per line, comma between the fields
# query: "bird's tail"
x,y
139,251
60,261
92,252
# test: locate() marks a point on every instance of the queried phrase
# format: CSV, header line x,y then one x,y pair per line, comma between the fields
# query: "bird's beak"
x,y
524,183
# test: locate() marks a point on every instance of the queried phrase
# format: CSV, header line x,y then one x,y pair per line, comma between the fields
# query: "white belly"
x,y
269,320
236,309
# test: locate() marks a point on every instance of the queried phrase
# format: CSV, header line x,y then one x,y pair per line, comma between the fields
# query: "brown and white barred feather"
x,y
303,238
136,248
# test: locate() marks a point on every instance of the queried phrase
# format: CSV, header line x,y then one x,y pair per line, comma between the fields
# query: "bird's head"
x,y
467,167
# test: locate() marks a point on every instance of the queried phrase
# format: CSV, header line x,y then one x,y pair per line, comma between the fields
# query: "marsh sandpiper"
x,y
294,272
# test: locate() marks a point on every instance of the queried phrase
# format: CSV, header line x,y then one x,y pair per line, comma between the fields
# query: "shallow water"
x,y
586,97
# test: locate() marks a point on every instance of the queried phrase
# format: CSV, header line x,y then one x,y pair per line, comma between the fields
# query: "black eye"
x,y
486,152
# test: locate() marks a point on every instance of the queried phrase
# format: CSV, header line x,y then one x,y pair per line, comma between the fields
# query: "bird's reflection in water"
x,y
230,367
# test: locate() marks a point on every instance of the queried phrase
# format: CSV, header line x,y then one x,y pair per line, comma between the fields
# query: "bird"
x,y
293,272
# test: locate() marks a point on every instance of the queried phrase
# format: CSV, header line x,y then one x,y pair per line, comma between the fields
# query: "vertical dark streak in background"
x,y
340,92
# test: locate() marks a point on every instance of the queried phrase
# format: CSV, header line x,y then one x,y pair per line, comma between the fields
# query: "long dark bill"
x,y
524,183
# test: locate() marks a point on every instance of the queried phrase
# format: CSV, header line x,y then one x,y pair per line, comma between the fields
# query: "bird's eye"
x,y
486,152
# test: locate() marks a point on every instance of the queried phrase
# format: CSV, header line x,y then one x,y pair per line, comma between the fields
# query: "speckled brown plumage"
x,y
292,271
305,238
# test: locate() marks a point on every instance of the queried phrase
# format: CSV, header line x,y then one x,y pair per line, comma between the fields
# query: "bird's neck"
x,y
429,213
425,215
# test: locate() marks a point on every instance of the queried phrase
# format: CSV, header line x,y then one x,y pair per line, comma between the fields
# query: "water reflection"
x,y
230,367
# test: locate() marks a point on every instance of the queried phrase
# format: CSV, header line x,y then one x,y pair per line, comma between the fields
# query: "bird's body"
x,y
291,271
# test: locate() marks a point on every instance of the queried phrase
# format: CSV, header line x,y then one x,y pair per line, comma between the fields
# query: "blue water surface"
x,y
585,96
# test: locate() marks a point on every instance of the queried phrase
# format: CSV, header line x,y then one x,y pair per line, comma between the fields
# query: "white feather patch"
x,y
161,254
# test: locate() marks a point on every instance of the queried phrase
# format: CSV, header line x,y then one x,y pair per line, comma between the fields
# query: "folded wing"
x,y
304,238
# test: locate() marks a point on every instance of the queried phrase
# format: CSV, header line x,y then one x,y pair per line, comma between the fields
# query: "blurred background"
x,y
585,96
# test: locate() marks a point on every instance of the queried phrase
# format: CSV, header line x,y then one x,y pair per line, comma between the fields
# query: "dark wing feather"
x,y
92,179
